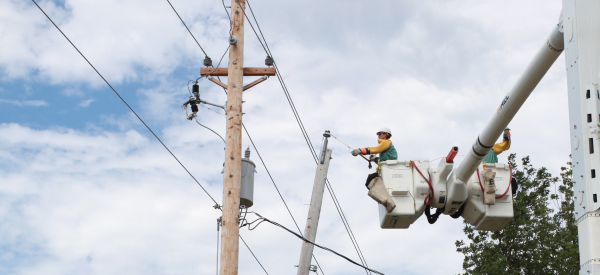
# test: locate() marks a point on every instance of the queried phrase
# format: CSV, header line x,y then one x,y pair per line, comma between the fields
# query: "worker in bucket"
x,y
385,149
498,148
492,156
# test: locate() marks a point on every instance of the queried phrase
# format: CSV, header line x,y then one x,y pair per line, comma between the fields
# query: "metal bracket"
x,y
326,135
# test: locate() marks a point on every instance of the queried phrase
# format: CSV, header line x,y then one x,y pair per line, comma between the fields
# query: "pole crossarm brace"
x,y
216,81
256,82
270,71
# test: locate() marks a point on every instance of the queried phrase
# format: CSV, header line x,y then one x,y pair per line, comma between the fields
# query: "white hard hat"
x,y
385,130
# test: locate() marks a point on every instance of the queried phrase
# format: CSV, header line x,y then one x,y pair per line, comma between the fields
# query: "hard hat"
x,y
385,130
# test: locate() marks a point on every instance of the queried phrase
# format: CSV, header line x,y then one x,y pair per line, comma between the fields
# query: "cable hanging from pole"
x,y
141,120
122,99
262,219
188,29
303,130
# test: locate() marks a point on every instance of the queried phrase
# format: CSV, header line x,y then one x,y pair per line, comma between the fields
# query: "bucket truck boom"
x,y
508,108
416,188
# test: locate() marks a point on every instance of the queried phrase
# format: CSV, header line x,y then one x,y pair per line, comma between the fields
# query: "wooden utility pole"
x,y
312,221
233,144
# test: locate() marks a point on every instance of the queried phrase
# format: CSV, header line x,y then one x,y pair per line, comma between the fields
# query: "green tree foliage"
x,y
542,236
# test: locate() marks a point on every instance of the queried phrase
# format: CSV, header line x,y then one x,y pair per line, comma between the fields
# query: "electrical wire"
x,y
263,219
223,1
276,188
213,110
210,130
250,23
253,145
122,99
130,108
201,76
188,29
303,130
271,177
253,254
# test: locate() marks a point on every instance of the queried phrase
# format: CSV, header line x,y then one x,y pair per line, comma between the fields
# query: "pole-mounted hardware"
x,y
195,100
232,40
326,135
269,61
207,61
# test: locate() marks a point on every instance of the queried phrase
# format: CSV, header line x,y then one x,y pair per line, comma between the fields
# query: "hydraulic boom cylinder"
x,y
512,102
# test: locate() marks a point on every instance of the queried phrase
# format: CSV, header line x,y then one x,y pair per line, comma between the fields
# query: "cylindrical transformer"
x,y
247,188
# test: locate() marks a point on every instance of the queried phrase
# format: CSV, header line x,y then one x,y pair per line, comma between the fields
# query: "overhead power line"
x,y
122,99
247,133
148,127
253,255
262,219
304,132
188,29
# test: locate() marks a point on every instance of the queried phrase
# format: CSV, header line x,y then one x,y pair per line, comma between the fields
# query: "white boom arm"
x,y
510,105
409,187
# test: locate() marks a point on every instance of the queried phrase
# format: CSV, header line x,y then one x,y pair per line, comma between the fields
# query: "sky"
x,y
86,189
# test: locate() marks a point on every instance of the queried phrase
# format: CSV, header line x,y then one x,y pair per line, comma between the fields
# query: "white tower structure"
x,y
581,23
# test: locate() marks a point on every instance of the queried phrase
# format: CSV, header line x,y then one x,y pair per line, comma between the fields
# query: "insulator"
x,y
194,108
247,153
232,40
269,61
195,89
207,62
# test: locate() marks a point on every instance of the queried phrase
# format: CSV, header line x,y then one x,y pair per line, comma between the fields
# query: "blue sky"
x,y
86,189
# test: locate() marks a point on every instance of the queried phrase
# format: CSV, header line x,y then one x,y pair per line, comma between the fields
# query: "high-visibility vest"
x,y
388,154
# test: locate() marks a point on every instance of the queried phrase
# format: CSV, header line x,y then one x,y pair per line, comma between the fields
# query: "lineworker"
x,y
385,149
498,148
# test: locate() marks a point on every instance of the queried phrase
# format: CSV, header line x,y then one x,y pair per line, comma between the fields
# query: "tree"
x,y
539,239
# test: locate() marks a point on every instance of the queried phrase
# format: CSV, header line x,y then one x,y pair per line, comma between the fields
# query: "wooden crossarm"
x,y
270,71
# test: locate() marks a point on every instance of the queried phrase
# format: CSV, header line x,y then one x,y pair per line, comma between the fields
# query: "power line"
x,y
210,130
278,192
271,177
253,255
305,134
130,108
263,219
253,145
188,29
115,91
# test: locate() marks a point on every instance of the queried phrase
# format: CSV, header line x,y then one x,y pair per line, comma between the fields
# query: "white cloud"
x,y
72,92
431,71
118,47
23,103
85,103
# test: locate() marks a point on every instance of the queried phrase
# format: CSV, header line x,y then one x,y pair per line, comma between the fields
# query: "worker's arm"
x,y
501,147
384,144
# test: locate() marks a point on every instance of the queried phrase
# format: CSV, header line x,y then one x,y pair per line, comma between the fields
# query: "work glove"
x,y
355,152
506,135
